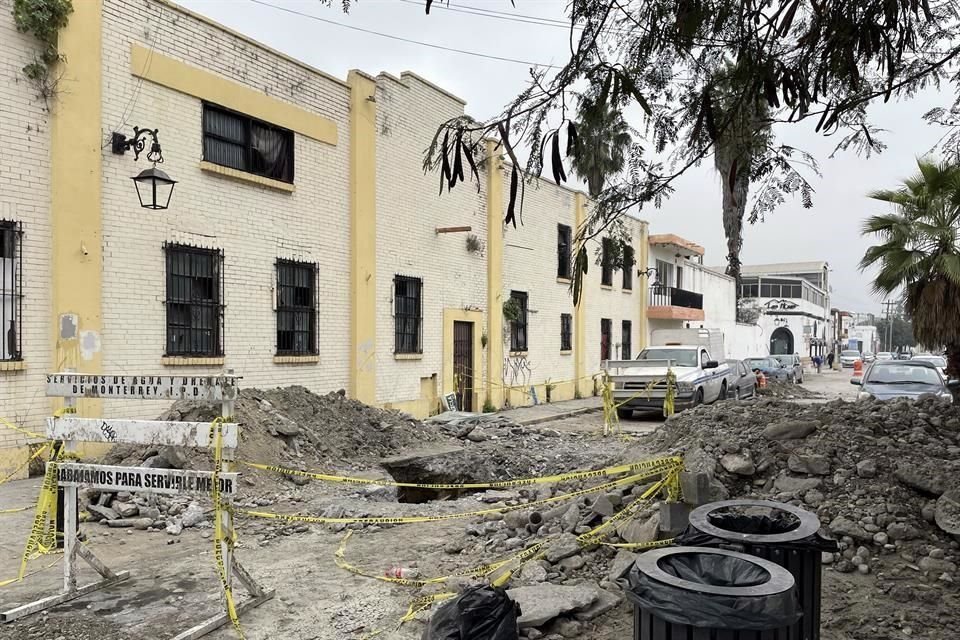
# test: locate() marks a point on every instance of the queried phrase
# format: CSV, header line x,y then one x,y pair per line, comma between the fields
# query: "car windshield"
x,y
884,355
883,373
850,354
787,360
759,363
681,357
934,360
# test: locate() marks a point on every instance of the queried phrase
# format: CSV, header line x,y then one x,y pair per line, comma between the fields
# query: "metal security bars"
x,y
626,343
518,327
194,301
564,239
606,337
240,142
566,332
407,314
606,263
11,289
296,308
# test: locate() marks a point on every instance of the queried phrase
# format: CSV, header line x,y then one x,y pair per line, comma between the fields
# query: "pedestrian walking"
x,y
817,361
830,360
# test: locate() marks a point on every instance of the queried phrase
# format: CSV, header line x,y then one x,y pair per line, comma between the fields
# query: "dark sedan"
x,y
771,367
886,380
741,382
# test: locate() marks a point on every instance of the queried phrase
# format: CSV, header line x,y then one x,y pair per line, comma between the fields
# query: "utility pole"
x,y
887,306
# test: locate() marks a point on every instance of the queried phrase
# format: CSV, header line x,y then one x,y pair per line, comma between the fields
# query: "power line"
x,y
401,39
499,15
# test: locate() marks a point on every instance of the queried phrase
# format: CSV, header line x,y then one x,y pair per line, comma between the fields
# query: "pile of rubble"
x,y
143,511
882,476
291,426
787,391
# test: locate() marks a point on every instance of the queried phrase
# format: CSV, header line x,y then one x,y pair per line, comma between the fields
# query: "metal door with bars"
x,y
463,364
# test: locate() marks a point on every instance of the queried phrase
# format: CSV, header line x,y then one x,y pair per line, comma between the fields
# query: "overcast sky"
x,y
829,231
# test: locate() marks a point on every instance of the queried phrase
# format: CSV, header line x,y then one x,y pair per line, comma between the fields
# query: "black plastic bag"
x,y
780,522
690,607
479,613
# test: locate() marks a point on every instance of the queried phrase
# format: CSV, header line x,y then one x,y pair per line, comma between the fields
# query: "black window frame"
x,y
297,301
564,249
181,298
248,164
11,248
628,263
566,332
606,338
606,262
407,314
626,341
519,328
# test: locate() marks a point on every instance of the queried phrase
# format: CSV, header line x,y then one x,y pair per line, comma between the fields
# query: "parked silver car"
x,y
848,357
792,362
741,381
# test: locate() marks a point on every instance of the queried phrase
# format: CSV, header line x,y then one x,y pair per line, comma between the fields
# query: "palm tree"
x,y
603,141
918,252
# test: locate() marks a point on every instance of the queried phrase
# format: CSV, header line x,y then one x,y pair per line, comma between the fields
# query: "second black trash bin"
x,y
699,593
776,531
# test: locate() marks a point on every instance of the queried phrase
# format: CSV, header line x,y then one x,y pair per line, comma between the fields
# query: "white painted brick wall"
x,y
530,265
614,303
24,197
254,225
409,209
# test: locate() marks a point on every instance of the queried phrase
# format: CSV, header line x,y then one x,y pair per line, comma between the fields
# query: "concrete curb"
x,y
557,416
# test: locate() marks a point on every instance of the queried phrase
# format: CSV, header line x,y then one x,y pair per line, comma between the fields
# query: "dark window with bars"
x,y
240,142
627,269
11,289
407,314
566,332
564,239
606,337
194,301
626,344
518,327
296,308
606,263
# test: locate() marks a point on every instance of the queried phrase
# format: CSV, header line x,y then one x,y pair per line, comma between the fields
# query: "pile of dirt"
x,y
883,477
787,391
291,426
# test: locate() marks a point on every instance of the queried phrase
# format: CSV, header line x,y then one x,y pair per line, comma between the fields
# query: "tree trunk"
x,y
953,367
736,185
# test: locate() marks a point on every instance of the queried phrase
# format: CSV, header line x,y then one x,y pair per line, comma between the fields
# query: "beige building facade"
x,y
303,243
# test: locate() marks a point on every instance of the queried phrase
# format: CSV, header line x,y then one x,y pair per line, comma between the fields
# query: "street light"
x,y
154,187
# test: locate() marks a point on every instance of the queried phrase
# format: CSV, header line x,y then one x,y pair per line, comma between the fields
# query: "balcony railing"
x,y
673,297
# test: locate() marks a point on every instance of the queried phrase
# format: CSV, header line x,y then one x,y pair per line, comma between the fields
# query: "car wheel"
x,y
624,414
723,391
698,398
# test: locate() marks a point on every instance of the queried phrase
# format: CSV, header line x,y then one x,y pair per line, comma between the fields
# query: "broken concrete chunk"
x,y
193,515
564,546
738,464
788,484
789,430
125,509
542,603
604,603
867,468
811,464
102,513
947,512
842,526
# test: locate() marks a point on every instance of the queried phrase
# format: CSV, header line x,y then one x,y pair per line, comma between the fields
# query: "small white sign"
x,y
152,432
171,481
150,387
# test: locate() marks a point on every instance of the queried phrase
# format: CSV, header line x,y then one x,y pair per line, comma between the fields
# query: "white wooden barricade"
x,y
71,430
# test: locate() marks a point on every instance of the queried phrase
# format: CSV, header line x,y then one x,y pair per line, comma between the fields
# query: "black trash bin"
x,y
700,593
782,533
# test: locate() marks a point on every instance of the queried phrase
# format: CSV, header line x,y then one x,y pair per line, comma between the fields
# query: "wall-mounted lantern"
x,y
653,273
154,187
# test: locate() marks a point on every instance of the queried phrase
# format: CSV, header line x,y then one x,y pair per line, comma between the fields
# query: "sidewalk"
x,y
554,411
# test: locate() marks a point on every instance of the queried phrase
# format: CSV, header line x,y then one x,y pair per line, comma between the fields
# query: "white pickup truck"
x,y
695,356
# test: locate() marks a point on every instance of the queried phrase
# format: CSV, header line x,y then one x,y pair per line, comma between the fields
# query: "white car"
x,y
885,355
938,361
848,357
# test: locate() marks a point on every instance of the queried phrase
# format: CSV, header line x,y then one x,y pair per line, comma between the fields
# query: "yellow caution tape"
x,y
33,457
218,536
453,516
17,510
495,484
29,434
